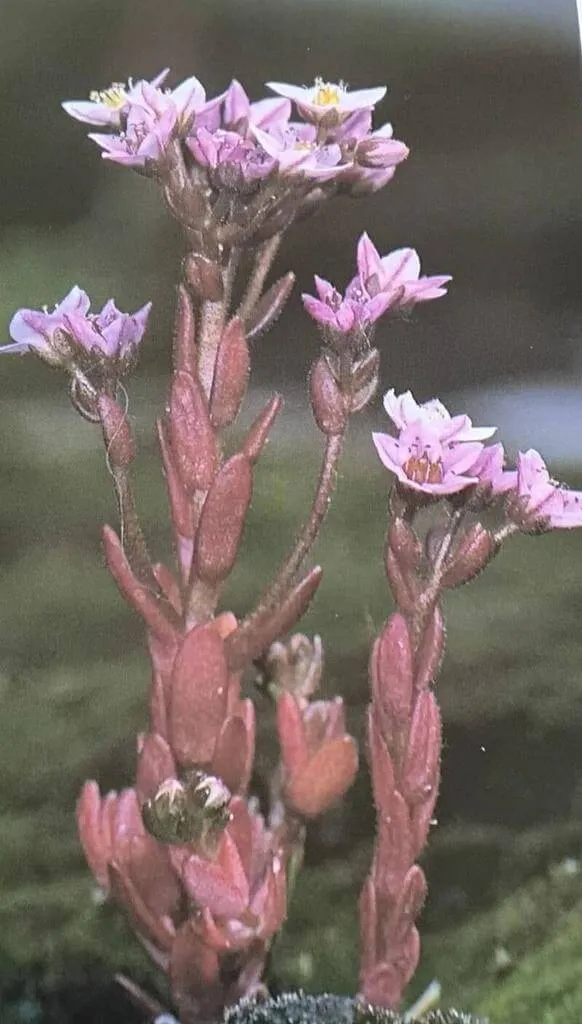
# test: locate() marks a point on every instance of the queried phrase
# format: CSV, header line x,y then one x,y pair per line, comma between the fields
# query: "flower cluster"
x,y
437,454
333,141
71,331
382,283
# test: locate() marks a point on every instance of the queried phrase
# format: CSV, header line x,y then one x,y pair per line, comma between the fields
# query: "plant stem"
x,y
263,262
213,315
132,537
212,320
310,530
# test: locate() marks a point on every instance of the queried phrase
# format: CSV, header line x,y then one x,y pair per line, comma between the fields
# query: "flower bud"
x,y
472,554
327,400
191,812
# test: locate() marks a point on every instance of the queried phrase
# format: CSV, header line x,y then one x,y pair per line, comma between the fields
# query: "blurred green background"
x,y
490,107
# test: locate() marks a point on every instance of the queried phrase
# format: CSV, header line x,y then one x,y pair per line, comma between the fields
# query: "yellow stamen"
x,y
115,96
327,94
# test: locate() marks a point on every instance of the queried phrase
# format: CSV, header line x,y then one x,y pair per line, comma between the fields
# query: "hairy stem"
x,y
263,262
132,537
310,530
212,321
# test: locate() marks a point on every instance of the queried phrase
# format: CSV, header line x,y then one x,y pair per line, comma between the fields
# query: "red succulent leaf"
x,y
232,753
155,764
258,434
393,853
325,777
240,829
257,633
391,672
185,333
220,886
292,738
430,652
420,770
222,520
137,594
148,865
194,446
179,500
198,695
127,821
382,767
158,930
93,839
231,374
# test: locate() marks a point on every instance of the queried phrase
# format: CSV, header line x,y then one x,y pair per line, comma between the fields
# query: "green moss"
x,y
298,1008
514,963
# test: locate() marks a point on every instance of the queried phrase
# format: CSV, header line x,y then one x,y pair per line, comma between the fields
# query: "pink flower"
x,y
184,101
235,161
109,106
297,151
328,102
541,502
398,274
405,411
240,114
148,119
489,467
382,283
356,311
111,333
434,452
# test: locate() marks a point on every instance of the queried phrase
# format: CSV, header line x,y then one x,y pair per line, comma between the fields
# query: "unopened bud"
x,y
472,554
327,400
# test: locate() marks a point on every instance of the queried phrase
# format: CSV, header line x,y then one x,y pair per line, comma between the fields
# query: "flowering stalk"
x,y
200,872
441,462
